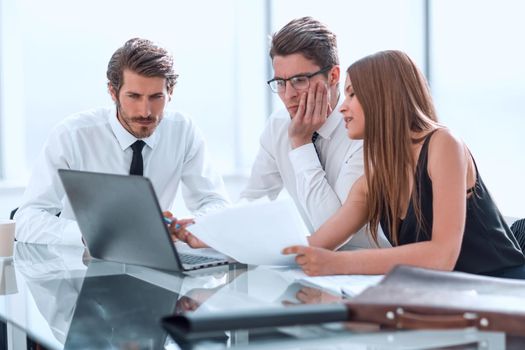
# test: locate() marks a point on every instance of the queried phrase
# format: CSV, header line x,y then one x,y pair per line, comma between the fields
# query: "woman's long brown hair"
x,y
396,101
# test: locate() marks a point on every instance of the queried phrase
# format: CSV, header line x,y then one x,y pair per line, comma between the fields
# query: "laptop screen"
x,y
120,218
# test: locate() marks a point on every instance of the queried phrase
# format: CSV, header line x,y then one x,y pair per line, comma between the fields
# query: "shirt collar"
x,y
331,123
124,138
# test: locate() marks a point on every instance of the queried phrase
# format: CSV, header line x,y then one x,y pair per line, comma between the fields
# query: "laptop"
x,y
120,219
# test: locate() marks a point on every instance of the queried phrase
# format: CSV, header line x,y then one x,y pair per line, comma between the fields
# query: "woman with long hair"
x,y
421,184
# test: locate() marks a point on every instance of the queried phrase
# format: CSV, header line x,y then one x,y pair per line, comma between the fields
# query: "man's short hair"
x,y
142,57
308,37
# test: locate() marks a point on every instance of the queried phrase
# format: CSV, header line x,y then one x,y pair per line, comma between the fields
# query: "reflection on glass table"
x,y
7,277
62,299
52,276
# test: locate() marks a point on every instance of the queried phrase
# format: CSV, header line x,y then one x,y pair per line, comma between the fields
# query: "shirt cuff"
x,y
304,158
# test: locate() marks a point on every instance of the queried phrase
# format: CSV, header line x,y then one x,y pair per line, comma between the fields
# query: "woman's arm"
x,y
447,167
348,219
319,261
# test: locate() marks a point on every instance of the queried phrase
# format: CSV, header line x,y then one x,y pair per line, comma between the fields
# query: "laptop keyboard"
x,y
190,259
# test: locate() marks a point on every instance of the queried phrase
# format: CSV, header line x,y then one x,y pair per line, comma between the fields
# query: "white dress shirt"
x,y
318,191
95,141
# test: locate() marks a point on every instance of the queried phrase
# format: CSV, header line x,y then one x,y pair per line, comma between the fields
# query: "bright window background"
x,y
478,81
53,58
60,50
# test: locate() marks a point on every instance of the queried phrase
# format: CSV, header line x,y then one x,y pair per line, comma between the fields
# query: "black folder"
x,y
408,298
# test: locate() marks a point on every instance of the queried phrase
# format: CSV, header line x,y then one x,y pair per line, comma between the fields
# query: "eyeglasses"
x,y
299,82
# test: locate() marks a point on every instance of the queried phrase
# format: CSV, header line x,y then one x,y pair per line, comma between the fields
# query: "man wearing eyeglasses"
x,y
304,147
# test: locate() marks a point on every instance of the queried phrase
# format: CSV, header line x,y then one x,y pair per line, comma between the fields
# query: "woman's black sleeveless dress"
x,y
489,246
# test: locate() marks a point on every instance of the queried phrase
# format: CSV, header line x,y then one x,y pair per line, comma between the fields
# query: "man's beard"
x,y
143,131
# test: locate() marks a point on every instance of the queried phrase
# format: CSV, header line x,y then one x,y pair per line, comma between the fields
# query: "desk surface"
x,y
63,300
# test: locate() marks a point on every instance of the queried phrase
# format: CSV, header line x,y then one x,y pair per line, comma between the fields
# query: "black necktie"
x,y
137,166
314,138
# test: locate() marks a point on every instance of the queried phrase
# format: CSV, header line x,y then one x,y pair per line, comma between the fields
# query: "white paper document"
x,y
254,233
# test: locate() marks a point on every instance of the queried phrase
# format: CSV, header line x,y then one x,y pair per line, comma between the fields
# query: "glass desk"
x,y
59,298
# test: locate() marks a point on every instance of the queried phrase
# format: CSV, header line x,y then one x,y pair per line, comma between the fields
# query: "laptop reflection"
x,y
119,312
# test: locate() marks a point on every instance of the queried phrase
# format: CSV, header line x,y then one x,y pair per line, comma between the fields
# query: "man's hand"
x,y
314,108
178,231
315,261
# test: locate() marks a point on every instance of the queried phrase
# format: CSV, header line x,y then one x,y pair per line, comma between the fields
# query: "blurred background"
x,y
54,54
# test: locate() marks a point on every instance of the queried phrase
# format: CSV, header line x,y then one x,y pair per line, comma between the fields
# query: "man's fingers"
x,y
321,106
194,242
324,104
179,234
174,237
185,222
319,97
178,226
299,115
178,231
310,103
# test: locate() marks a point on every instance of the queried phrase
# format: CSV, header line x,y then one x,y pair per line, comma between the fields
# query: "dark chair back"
x,y
518,228
13,212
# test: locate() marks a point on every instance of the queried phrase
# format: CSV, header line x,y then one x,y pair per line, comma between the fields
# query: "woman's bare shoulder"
x,y
444,140
447,152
